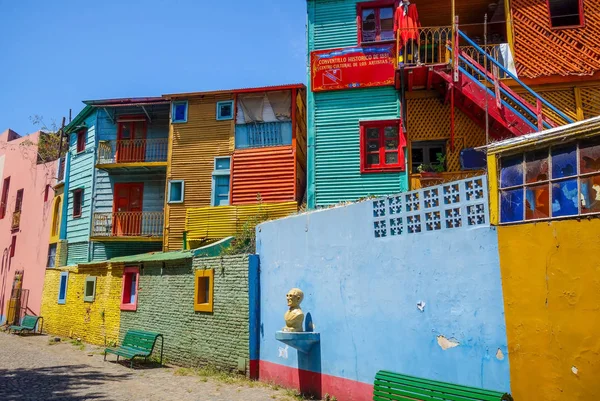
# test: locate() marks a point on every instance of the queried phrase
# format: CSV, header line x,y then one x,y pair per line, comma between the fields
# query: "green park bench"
x,y
137,343
28,323
391,386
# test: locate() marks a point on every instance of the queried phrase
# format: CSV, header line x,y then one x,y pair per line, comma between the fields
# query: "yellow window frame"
x,y
206,306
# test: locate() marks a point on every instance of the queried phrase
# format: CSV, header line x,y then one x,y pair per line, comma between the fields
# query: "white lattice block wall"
x,y
450,206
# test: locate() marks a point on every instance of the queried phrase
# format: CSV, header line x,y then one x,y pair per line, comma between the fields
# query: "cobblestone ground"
x,y
33,369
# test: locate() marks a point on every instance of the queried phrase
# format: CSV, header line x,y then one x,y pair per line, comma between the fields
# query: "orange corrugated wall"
x,y
265,171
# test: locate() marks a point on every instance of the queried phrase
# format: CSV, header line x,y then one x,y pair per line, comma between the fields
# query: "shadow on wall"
x,y
69,383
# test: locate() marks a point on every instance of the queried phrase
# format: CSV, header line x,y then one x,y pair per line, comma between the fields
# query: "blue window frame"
x,y
179,112
225,110
220,181
548,183
176,191
62,288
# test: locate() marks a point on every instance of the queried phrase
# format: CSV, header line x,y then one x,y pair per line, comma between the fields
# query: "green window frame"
x,y
89,291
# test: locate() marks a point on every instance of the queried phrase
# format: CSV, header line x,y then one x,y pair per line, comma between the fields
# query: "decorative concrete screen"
x,y
450,206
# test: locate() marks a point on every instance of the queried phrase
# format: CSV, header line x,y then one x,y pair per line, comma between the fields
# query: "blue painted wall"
x,y
333,117
362,294
81,175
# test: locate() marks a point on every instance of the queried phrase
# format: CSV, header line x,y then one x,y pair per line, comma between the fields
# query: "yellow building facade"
x,y
96,321
547,213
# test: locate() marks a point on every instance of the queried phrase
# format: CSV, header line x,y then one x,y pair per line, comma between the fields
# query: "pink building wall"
x,y
18,161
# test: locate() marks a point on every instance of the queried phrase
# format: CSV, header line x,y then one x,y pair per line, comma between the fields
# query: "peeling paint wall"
x,y
551,282
382,303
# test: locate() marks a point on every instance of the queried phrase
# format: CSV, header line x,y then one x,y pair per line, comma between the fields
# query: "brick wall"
x,y
93,322
166,306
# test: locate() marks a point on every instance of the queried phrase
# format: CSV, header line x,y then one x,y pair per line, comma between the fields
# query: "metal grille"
x,y
458,204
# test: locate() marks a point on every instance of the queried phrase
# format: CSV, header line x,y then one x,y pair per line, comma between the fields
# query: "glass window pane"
x,y
373,158
180,111
590,194
369,27
391,144
537,202
564,198
225,110
125,130
391,158
417,155
372,133
391,132
373,146
223,163
511,172
434,153
176,192
511,205
386,17
536,164
589,156
564,162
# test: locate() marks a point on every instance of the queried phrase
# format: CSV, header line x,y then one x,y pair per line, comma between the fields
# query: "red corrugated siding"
x,y
268,171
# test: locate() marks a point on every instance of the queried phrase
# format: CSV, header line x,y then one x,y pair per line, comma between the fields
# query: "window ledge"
x,y
129,307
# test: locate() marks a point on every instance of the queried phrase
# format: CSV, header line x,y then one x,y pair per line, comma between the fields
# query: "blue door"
x,y
221,196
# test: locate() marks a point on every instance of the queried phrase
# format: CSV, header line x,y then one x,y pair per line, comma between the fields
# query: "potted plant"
x,y
431,173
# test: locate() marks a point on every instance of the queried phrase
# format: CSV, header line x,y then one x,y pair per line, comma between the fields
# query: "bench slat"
x,y
391,386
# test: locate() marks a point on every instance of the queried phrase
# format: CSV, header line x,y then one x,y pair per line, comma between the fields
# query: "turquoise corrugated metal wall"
x,y
337,144
81,175
333,117
77,253
103,251
153,197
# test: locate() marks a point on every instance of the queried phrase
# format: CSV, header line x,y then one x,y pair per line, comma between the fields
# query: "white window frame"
x,y
219,104
217,173
171,182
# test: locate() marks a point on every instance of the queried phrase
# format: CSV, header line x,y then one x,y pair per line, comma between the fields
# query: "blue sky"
x,y
54,54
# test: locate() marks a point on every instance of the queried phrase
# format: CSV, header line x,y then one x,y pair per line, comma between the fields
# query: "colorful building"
x,y
233,155
115,179
545,198
27,174
392,110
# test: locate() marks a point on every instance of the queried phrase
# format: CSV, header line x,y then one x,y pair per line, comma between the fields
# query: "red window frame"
x,y
4,201
581,17
77,202
382,166
81,134
377,5
128,274
19,200
13,246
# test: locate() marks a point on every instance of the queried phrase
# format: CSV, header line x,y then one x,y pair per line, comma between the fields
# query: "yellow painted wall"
x,y
551,284
192,149
93,322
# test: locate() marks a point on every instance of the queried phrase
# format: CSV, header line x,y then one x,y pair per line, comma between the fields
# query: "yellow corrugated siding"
x,y
194,145
224,221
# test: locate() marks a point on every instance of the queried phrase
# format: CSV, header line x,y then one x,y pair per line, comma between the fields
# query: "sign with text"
x,y
352,67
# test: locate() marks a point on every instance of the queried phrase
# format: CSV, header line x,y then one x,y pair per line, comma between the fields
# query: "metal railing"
x,y
493,51
128,224
16,221
424,45
261,135
133,151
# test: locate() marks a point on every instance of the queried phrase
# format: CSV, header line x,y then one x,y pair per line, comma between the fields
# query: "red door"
x,y
127,209
131,141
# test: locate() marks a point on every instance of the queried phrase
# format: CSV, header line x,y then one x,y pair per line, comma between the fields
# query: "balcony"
x,y
133,153
128,226
257,135
16,221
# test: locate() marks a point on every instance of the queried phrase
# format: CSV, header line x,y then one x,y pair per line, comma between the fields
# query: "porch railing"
x,y
424,45
263,134
128,224
133,151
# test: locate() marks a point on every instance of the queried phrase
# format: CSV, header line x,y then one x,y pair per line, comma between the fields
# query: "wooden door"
x,y
127,209
131,142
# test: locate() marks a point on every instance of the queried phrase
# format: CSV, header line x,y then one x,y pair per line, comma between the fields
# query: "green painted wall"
x,y
166,306
333,117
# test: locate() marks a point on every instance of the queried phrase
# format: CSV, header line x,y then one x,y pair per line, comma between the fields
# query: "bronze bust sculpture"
x,y
294,317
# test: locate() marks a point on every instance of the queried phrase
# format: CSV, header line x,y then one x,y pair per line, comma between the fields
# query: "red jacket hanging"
x,y
408,23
